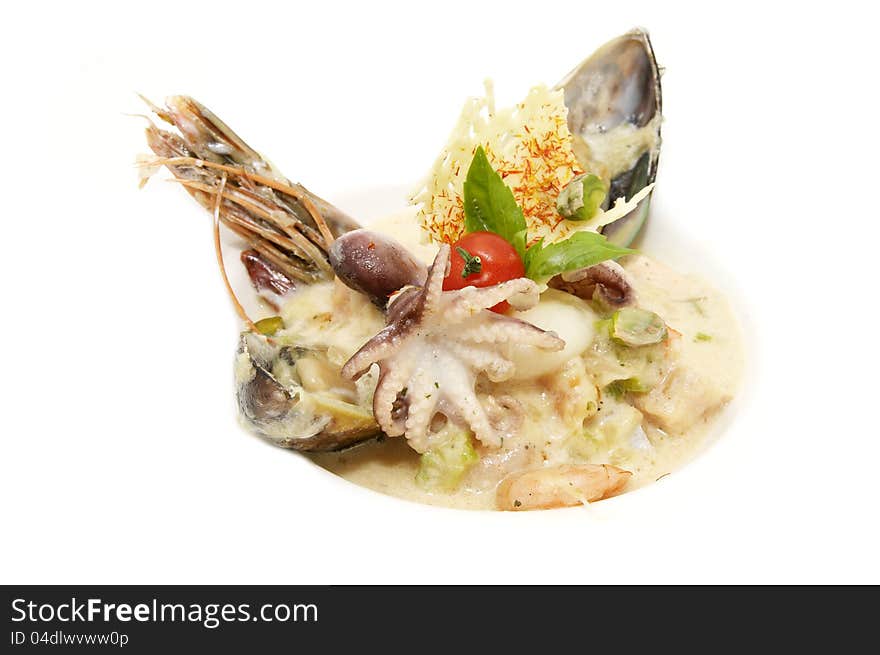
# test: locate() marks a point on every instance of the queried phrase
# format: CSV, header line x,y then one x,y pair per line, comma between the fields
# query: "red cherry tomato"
x,y
483,259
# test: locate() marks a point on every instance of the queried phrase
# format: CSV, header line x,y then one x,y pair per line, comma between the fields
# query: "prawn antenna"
x,y
218,249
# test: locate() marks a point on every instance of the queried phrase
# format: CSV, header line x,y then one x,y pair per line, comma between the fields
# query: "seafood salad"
x,y
501,343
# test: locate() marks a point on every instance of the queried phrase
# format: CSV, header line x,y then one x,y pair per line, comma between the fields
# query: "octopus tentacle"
x,y
423,398
391,381
434,283
513,330
522,293
470,409
482,358
403,304
381,346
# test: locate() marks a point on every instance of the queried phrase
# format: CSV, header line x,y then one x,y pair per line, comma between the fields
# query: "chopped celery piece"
x,y
637,327
619,388
443,467
581,198
603,327
269,326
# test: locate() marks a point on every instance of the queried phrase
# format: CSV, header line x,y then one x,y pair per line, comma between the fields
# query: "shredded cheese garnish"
x,y
529,145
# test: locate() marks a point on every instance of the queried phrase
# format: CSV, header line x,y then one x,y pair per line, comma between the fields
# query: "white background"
x,y
121,460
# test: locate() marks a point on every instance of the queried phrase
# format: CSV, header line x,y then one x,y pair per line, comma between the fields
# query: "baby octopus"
x,y
435,345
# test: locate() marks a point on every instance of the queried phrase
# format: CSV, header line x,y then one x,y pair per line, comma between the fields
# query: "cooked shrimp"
x,y
560,486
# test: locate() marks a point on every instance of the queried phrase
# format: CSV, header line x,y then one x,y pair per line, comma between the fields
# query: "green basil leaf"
x,y
489,206
519,244
580,250
530,254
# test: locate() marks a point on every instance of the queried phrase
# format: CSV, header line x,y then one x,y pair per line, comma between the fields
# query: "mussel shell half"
x,y
614,98
287,415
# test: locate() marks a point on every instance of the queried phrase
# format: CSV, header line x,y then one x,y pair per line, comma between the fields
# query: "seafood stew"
x,y
500,343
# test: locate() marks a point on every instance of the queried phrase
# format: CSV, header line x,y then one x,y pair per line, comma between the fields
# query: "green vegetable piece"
x,y
637,327
443,467
581,198
269,326
619,388
489,206
702,336
519,244
580,250
603,327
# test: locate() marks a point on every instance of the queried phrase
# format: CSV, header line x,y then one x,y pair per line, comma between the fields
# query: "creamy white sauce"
x,y
708,360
